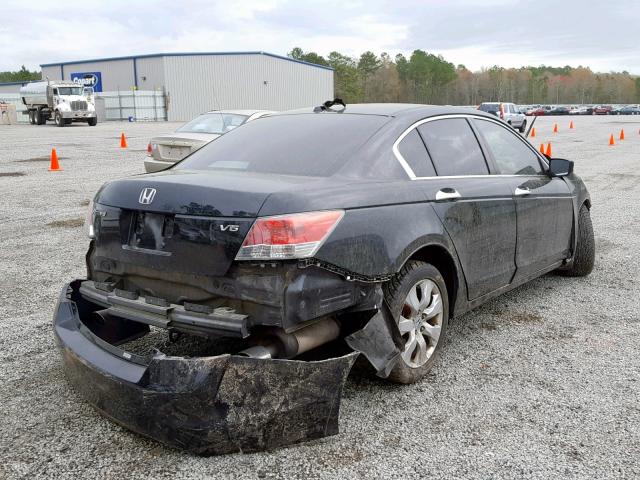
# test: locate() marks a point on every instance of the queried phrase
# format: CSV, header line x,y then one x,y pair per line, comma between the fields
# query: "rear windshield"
x,y
490,107
315,145
214,123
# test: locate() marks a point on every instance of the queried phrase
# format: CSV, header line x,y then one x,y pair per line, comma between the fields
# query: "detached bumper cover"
x,y
207,405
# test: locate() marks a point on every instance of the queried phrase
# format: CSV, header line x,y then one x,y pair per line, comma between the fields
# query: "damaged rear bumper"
x,y
206,405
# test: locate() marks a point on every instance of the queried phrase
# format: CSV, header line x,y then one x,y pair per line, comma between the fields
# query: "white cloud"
x,y
476,33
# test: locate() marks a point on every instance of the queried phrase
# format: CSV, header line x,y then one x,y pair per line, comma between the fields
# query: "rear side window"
x,y
415,154
511,155
453,147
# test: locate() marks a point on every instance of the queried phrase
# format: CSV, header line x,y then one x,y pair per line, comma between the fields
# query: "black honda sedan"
x,y
434,209
289,231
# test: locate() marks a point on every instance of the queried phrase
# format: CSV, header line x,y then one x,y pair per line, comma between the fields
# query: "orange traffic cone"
x,y
571,124
123,141
622,134
55,166
542,148
611,141
555,128
548,152
533,132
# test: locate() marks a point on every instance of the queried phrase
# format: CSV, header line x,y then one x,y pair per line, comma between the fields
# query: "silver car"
x,y
508,112
165,150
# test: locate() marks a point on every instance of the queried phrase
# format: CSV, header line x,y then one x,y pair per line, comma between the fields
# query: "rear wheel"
x,y
93,121
523,127
417,298
585,254
39,117
32,117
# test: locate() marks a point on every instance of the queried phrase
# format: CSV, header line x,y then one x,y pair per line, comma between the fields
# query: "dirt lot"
x,y
541,383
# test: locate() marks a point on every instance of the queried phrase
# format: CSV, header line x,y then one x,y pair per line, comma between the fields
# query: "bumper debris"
x,y
205,405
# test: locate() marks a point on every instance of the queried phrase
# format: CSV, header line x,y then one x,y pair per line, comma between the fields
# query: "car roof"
x,y
388,110
240,111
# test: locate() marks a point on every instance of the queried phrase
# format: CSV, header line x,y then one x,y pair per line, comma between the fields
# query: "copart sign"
x,y
88,79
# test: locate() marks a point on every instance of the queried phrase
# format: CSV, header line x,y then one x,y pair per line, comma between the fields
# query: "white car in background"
x,y
165,150
508,112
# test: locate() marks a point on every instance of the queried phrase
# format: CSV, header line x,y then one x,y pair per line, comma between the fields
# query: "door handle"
x,y
447,194
522,191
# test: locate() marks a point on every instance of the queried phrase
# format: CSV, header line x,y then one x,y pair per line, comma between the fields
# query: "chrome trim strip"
x,y
411,174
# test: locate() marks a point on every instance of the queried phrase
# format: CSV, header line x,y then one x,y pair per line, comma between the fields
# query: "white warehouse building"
x,y
194,83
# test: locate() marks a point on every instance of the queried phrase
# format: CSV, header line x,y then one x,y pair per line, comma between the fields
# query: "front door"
x,y
545,221
544,205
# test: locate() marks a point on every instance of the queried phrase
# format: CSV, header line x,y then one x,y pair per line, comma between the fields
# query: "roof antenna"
x,y
326,106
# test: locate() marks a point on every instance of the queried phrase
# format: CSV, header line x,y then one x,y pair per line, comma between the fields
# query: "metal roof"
x,y
185,54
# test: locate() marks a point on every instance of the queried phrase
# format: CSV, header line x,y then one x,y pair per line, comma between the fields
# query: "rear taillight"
x,y
286,237
88,222
501,111
149,149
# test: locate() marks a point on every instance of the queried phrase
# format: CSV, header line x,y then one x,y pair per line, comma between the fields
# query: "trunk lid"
x,y
177,146
178,221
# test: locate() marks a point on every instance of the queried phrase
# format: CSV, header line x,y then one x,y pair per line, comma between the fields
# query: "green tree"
x,y
311,57
428,74
347,85
368,64
22,75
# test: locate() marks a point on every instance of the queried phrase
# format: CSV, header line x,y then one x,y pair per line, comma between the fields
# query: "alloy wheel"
x,y
420,322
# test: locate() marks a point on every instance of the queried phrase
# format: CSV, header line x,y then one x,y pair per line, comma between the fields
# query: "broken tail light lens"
x,y
285,237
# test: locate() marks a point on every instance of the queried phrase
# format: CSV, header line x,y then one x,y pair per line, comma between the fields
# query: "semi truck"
x,y
61,101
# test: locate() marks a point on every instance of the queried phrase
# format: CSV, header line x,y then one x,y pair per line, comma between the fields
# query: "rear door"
x,y
544,205
477,209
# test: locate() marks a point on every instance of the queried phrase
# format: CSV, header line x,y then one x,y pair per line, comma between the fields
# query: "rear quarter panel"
x,y
377,241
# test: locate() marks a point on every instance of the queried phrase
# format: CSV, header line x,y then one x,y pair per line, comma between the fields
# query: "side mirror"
x,y
559,167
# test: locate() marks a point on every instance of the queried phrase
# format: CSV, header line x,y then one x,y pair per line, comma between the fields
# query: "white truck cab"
x,y
61,101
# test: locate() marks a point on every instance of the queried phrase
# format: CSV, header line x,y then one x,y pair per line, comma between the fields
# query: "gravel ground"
x,y
539,383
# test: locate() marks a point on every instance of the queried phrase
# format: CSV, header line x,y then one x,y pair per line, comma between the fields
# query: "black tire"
x,y
396,291
39,117
523,127
32,118
93,121
585,255
58,119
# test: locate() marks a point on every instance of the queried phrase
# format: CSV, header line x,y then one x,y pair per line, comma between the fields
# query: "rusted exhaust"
x,y
279,344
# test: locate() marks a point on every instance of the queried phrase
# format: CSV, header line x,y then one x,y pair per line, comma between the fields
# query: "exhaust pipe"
x,y
279,344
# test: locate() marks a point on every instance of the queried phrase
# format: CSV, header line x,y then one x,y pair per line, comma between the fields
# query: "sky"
x,y
602,35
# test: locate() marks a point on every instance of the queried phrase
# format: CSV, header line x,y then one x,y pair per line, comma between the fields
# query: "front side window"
x,y
415,154
511,155
453,147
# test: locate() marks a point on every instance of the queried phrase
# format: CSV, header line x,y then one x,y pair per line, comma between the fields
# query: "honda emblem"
x,y
146,196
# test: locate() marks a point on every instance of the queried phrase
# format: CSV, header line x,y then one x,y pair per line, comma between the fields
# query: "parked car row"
x,y
538,110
